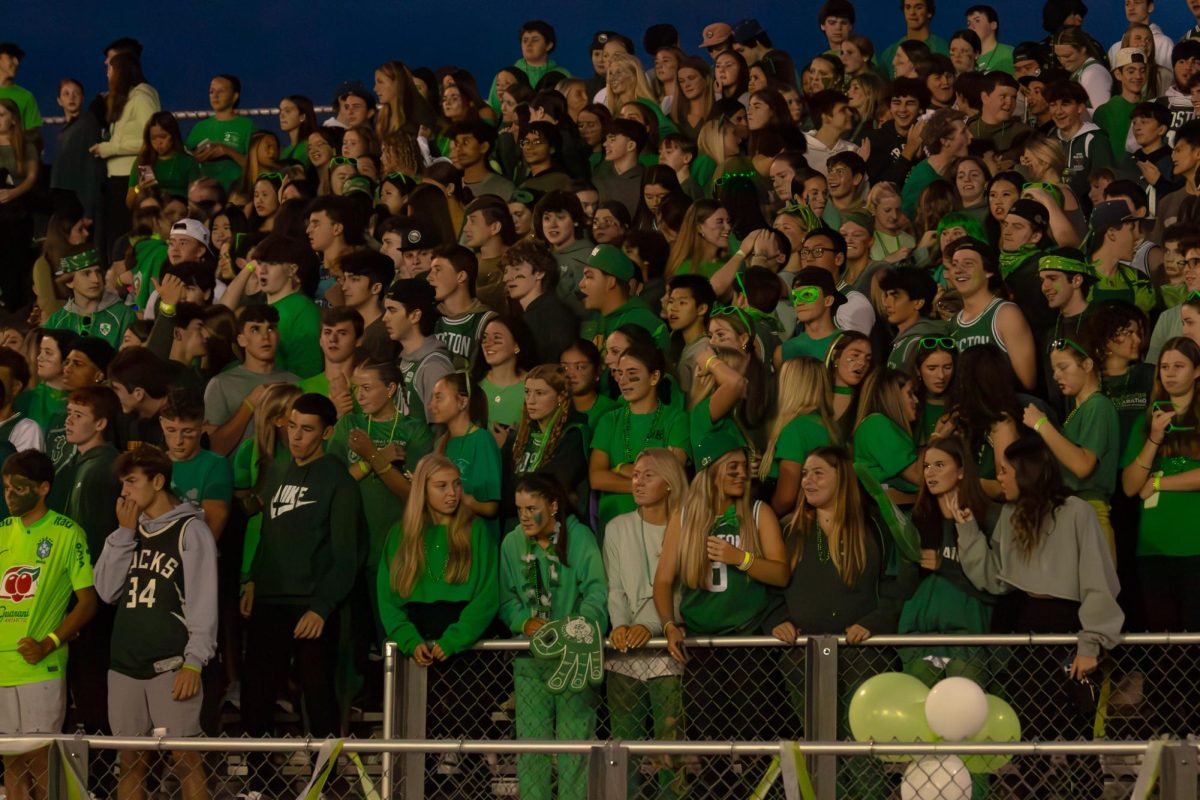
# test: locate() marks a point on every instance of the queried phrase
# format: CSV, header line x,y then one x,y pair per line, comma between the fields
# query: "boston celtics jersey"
x,y
40,568
981,330
730,601
150,633
462,335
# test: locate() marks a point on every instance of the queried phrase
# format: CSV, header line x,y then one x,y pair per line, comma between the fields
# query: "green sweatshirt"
x,y
85,490
635,311
480,592
308,548
577,588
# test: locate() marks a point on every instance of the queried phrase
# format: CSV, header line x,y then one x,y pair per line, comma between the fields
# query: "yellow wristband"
x,y
740,253
166,309
747,560
192,667
709,360
54,638
1158,483
249,406
385,469
250,265
1037,426
364,468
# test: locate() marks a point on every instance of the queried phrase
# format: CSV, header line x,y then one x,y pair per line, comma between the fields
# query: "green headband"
x,y
86,259
1071,266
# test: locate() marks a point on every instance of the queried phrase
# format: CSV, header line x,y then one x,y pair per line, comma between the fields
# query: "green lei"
x,y
535,589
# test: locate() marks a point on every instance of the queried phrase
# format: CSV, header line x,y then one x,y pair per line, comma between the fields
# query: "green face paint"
x,y
22,495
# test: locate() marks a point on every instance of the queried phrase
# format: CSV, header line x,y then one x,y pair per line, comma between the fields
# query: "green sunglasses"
x,y
805,294
934,342
338,161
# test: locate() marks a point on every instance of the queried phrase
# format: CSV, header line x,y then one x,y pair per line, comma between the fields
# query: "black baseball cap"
x,y
1032,212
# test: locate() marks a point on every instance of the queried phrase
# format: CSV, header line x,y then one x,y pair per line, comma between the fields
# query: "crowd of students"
x,y
882,340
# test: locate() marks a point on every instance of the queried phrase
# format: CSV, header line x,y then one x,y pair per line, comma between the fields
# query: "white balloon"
x,y
936,778
956,709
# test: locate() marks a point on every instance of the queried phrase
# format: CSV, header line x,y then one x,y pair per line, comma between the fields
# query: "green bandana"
x,y
1071,266
85,260
1010,261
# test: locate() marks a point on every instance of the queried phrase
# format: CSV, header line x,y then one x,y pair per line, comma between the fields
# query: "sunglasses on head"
x,y
934,342
338,161
1063,344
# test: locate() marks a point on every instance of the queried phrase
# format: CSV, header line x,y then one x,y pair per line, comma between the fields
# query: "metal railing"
x,y
760,689
325,768
204,113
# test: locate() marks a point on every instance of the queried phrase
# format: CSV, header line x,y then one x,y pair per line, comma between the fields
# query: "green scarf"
x,y
1010,261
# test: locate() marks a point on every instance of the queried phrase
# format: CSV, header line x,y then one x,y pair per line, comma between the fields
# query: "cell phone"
x,y
1164,405
146,175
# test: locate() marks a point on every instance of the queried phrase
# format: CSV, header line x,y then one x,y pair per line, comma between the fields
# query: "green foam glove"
x,y
579,646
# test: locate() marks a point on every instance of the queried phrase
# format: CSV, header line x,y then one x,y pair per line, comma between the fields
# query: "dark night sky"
x,y
310,47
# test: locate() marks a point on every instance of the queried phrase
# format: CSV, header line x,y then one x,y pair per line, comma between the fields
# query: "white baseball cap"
x,y
1127,56
192,228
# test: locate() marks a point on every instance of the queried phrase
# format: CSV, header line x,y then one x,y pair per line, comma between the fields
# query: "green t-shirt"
x,y
998,59
804,345
149,257
504,402
799,438
296,152
480,592
233,133
42,567
886,450
31,117
701,425
173,174
205,476
299,335
478,459
381,507
602,406
107,323
1114,118
42,403
730,602
1168,521
705,268
1130,394
1094,426
622,435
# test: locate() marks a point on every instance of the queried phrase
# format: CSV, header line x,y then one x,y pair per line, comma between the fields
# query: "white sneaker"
x,y
233,695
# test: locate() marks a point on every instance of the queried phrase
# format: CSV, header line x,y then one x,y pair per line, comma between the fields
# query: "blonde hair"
x,y
703,383
689,244
670,470
847,542
409,561
641,86
701,507
710,141
878,192
804,388
276,402
1046,149
882,393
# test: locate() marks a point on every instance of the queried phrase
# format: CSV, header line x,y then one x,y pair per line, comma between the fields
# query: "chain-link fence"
x,y
228,768
758,689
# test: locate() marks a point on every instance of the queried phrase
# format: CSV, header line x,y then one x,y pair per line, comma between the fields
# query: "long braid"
x,y
555,433
518,451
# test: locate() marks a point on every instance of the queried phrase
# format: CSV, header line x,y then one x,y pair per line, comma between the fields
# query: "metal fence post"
x,y
1178,774
608,774
415,681
821,710
386,782
78,753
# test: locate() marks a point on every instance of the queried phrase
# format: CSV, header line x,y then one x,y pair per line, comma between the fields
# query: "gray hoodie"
x,y
199,557
424,367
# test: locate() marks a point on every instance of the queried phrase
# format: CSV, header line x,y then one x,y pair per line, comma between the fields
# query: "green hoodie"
x,y
635,311
576,588
904,348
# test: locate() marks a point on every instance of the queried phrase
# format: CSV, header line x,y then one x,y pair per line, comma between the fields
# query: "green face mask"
x,y
805,294
22,497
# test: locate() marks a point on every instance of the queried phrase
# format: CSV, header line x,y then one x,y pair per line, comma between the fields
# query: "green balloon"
x,y
1002,725
890,707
